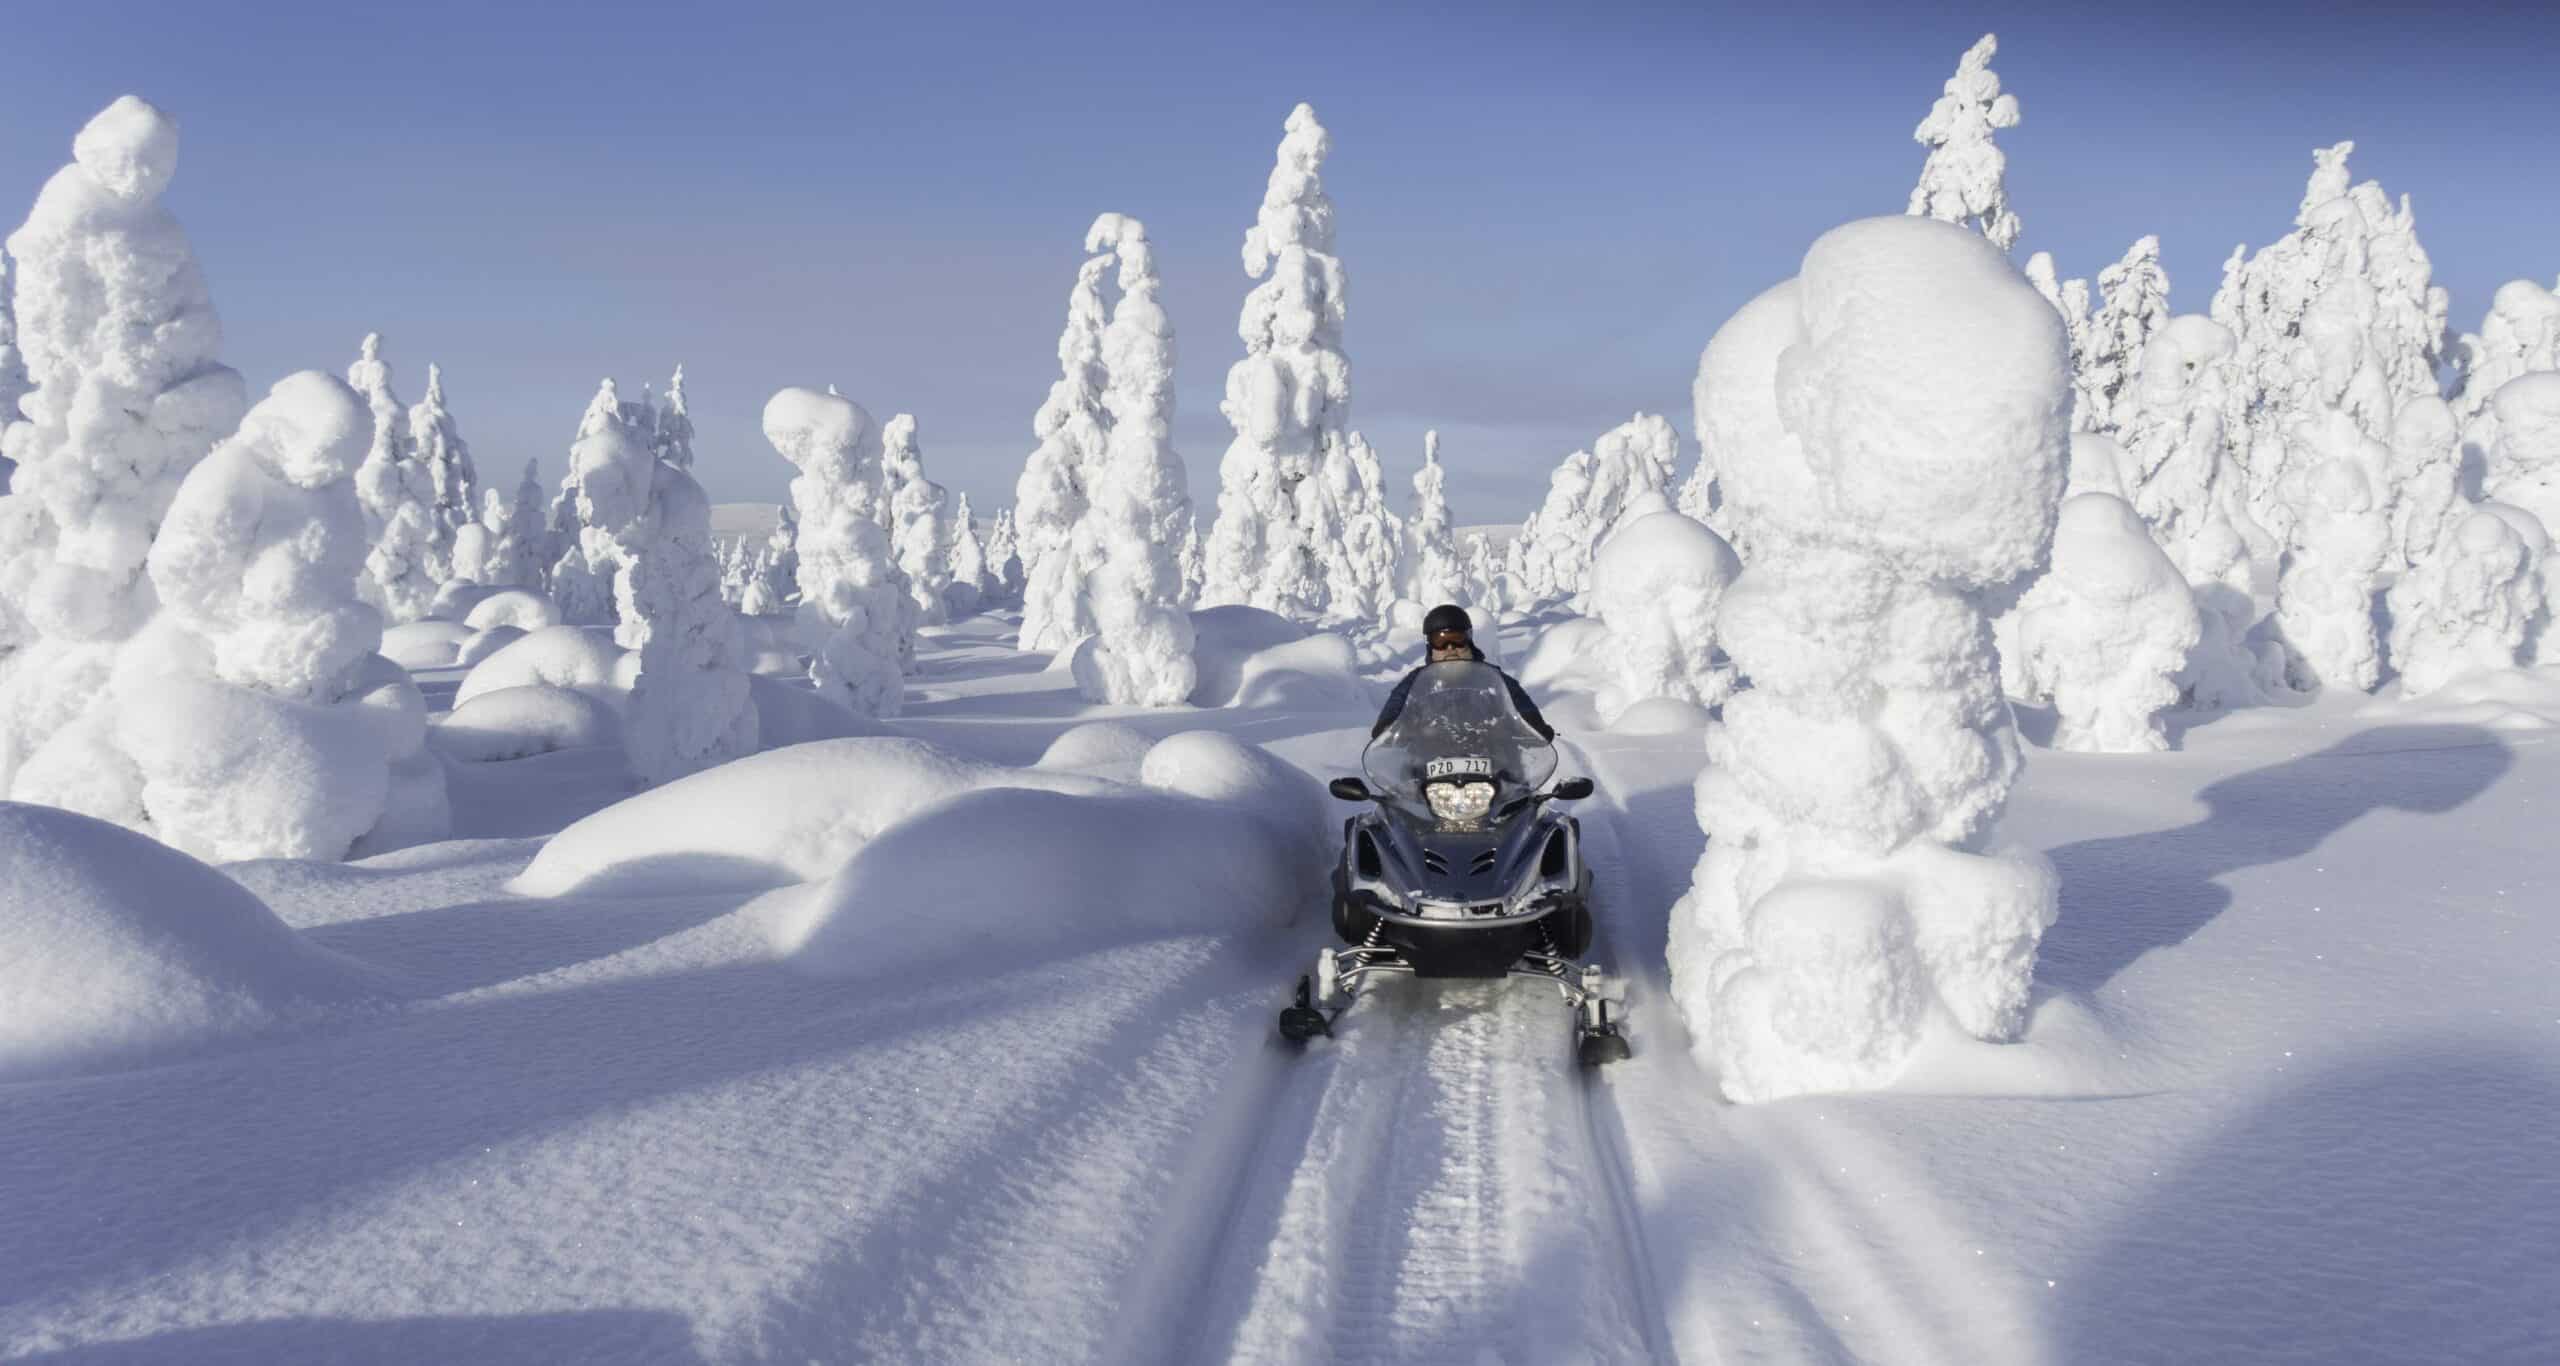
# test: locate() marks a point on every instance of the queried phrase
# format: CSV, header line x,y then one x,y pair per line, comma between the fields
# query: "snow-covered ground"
x,y
2290,1090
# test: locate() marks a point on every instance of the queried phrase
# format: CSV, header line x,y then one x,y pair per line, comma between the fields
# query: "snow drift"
x,y
114,948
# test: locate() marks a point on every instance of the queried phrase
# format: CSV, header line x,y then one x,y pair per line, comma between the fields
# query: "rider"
x,y
1449,634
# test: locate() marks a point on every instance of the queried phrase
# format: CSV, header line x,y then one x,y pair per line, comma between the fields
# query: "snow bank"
x,y
479,645
2105,632
783,816
513,607
1223,837
574,657
1109,748
1655,586
425,644
1890,433
1248,657
513,723
790,712
114,948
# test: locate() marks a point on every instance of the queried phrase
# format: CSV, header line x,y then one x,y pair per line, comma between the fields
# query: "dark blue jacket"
x,y
1404,688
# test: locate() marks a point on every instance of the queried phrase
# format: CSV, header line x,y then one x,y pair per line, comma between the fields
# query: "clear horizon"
x,y
1544,211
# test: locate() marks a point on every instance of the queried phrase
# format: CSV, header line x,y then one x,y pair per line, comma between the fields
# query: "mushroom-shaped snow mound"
x,y
114,948
516,723
514,607
562,656
1027,873
783,816
1215,766
1223,639
1110,748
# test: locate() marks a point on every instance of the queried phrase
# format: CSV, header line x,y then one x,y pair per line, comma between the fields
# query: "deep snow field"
x,y
866,1051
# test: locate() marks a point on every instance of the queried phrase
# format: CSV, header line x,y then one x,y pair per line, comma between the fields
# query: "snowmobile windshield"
x,y
1457,744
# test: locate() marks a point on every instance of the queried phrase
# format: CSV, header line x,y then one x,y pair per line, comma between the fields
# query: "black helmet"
x,y
1447,619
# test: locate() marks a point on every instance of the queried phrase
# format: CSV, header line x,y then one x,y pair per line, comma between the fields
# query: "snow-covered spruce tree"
x,y
584,549
671,425
1963,179
2523,460
1433,573
1897,470
2520,335
2426,470
1132,533
1052,494
968,559
2338,314
2466,605
118,335
2135,304
920,522
440,450
848,577
773,579
1588,495
398,496
2541,636
2189,493
262,721
2105,631
690,707
1655,585
1352,535
1004,559
2324,601
1289,399
2070,298
13,366
1193,558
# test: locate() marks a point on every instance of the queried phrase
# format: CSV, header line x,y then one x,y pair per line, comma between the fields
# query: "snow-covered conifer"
x,y
398,496
2337,314
2324,601
1289,398
2426,470
1655,585
2070,298
968,559
262,721
1433,572
13,366
2523,458
671,427
2134,304
2106,630
2465,605
1588,495
1354,535
2520,335
582,572
920,521
1054,490
1132,533
438,446
690,707
848,577
118,334
1893,474
773,579
1004,559
1962,181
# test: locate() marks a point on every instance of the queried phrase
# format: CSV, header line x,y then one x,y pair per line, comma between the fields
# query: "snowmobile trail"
x,y
1440,1181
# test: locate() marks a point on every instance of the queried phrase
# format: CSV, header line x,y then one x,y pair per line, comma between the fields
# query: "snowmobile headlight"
x,y
1460,806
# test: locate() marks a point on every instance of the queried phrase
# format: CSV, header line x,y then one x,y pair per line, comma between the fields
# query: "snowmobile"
x,y
1461,869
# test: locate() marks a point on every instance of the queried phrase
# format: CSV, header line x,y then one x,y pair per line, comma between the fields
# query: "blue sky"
x,y
1545,211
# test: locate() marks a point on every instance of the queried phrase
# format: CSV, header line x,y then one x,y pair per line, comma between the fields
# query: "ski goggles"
x,y
1450,640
